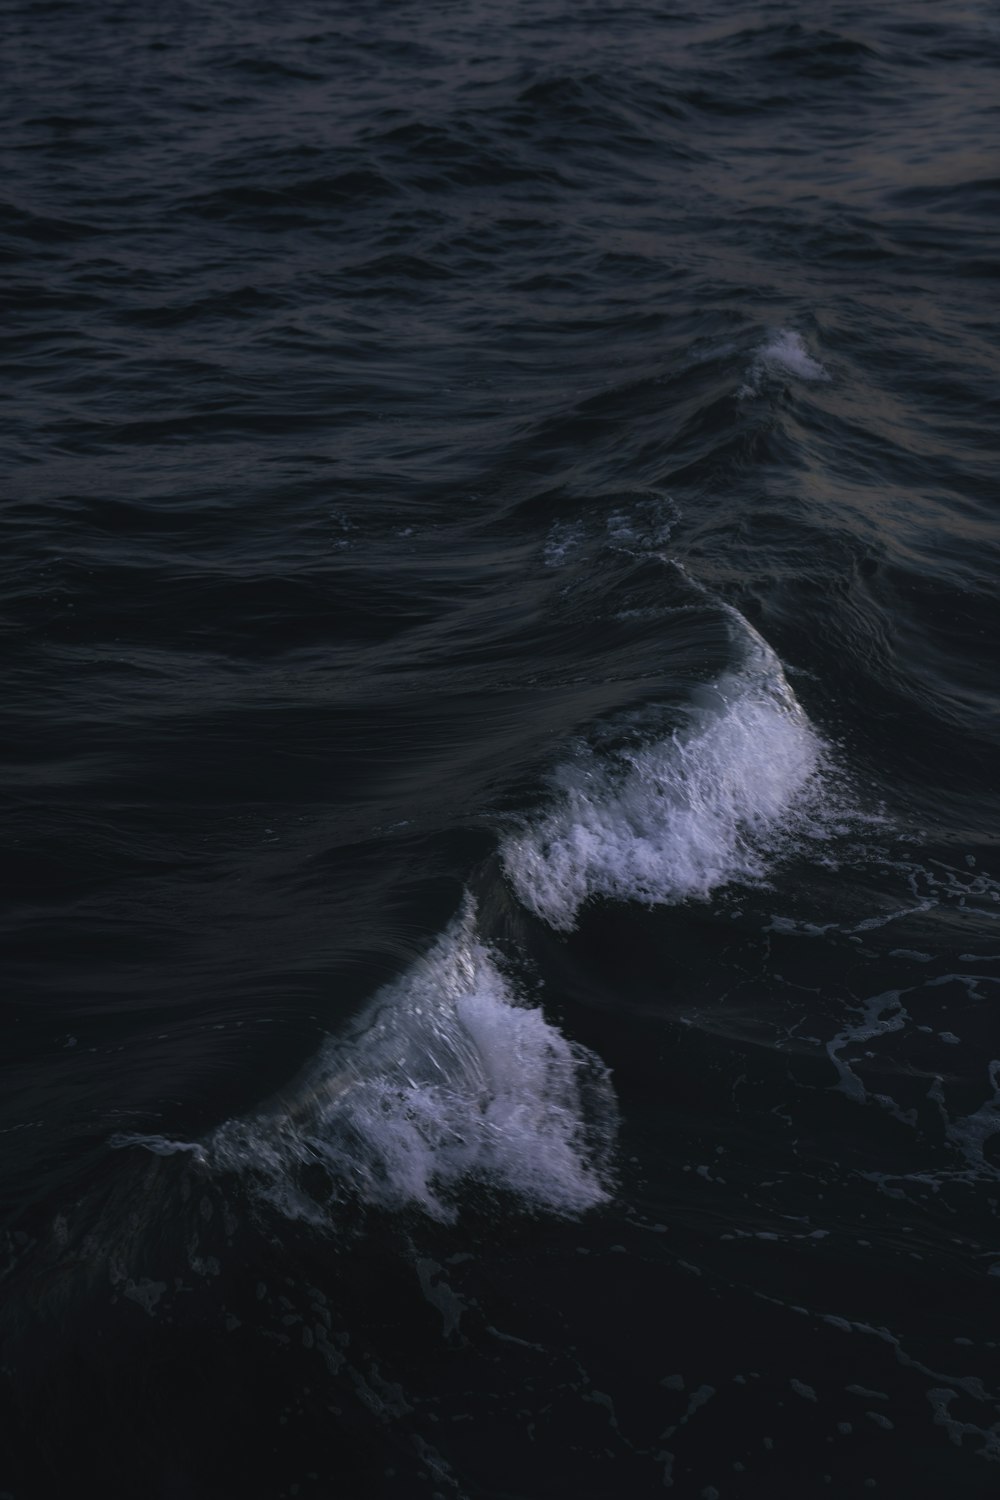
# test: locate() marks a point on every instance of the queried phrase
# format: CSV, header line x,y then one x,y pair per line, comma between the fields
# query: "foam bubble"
x,y
784,352
684,815
449,1078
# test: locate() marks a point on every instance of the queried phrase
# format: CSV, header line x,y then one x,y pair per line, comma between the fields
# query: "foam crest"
x,y
783,353
681,816
641,521
449,1078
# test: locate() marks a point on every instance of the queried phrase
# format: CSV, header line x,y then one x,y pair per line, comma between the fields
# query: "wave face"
x,y
450,1079
679,818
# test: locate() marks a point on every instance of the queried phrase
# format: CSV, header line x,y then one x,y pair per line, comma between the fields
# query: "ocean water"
x,y
501,716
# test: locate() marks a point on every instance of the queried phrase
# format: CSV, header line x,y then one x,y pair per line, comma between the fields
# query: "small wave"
x,y
682,816
450,1078
783,353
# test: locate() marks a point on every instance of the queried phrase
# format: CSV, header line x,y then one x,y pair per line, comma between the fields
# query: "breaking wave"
x,y
684,815
782,354
449,1078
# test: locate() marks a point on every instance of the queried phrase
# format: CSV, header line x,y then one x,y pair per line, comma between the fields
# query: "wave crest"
x,y
782,354
449,1078
684,815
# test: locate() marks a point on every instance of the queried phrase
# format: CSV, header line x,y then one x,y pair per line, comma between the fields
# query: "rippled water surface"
x,y
500,731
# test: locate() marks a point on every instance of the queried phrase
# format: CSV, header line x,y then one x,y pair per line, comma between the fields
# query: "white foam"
x,y
449,1078
562,542
159,1145
682,816
971,1133
641,522
784,352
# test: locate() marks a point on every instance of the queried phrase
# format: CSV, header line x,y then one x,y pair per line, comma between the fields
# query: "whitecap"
x,y
783,353
683,815
449,1078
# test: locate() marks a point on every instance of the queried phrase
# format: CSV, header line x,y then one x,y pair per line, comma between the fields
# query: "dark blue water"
x,y
500,735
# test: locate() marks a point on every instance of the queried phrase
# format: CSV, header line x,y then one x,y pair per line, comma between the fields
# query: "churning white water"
x,y
782,354
681,816
449,1077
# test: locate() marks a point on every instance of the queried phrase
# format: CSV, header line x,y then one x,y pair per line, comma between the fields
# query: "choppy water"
x,y
500,733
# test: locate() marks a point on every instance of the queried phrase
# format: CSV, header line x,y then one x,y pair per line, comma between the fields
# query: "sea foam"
x,y
449,1078
783,353
683,815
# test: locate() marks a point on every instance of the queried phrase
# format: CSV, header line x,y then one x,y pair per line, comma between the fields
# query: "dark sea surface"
x,y
500,736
